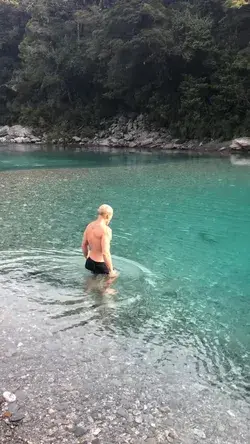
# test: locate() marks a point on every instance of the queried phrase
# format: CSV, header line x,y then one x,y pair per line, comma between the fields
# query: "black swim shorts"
x,y
96,267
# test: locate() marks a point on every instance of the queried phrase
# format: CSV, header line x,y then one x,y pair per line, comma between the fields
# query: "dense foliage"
x,y
185,64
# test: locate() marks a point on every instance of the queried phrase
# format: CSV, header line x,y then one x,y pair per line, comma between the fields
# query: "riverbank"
x,y
123,135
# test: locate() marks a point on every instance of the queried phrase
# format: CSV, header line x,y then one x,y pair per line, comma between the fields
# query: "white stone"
x,y
76,139
199,433
96,432
243,141
21,140
9,397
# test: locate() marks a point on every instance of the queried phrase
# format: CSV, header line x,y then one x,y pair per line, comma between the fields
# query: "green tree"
x,y
184,64
12,27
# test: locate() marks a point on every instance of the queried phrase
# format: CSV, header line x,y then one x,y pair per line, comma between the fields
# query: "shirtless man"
x,y
96,243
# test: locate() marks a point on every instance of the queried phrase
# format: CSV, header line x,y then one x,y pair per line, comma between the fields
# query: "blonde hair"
x,y
105,210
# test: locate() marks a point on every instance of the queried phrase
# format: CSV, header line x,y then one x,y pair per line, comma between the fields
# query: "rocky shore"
x,y
99,389
130,135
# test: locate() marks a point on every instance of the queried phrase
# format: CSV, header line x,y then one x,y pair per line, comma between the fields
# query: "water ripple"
x,y
159,314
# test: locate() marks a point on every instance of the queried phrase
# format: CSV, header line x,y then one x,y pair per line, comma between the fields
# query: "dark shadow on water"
x,y
206,237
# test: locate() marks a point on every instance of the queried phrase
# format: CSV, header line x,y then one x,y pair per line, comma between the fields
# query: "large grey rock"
x,y
3,139
146,142
132,145
4,130
168,146
129,137
113,141
104,142
241,144
19,131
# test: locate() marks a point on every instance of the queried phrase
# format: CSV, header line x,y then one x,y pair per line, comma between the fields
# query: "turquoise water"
x,y
181,241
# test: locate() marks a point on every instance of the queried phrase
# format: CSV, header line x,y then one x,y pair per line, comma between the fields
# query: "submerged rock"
x,y
122,412
79,431
17,416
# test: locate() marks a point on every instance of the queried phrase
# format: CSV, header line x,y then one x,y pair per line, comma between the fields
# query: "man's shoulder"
x,y
87,226
107,231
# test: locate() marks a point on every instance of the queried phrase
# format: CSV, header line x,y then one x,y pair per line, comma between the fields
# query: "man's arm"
x,y
106,239
85,245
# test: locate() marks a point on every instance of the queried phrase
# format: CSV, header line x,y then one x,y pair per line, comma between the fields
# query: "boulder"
x,y
19,131
132,145
241,144
76,139
3,139
129,137
168,146
104,142
102,134
113,141
119,135
146,142
4,130
35,140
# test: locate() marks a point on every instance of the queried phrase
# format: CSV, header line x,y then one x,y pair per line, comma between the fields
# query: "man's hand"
x,y
114,274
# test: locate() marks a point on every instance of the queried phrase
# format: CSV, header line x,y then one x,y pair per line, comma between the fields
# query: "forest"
x,y
185,65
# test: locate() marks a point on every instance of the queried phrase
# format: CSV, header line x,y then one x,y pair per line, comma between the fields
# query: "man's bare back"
x,y
95,234
96,243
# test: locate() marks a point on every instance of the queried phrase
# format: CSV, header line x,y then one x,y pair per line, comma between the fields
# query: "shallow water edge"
x,y
216,150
